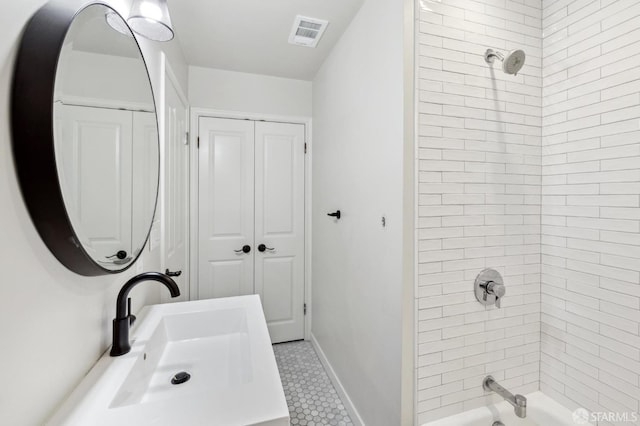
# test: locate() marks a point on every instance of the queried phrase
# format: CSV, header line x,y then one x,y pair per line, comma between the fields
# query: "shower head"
x,y
511,64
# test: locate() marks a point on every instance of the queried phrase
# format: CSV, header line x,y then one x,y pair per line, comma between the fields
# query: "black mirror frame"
x,y
32,136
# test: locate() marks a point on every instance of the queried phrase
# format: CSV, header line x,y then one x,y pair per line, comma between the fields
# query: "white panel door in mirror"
x,y
95,171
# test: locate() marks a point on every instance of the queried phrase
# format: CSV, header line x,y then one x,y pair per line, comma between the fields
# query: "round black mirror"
x,y
85,137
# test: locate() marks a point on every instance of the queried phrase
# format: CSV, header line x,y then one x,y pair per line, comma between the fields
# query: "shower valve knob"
x,y
489,287
496,289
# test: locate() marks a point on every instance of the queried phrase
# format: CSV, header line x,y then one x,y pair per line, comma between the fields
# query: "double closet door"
x,y
251,217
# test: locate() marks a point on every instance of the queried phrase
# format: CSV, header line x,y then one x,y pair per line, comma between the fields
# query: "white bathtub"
x,y
541,410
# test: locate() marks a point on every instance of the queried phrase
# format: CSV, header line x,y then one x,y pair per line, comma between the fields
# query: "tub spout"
x,y
519,402
520,407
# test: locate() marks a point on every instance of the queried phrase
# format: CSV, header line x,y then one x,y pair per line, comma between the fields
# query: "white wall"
x,y
54,324
253,93
591,205
125,80
479,142
358,168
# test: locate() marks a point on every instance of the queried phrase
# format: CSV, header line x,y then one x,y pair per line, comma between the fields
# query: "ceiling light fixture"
x,y
116,22
150,19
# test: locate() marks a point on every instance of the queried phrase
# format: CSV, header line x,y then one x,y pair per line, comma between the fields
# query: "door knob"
x,y
173,274
262,248
120,255
336,214
245,249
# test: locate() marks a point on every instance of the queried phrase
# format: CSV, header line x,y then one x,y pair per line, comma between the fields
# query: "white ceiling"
x,y
252,35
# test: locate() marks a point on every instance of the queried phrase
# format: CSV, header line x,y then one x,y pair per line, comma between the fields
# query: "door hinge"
x,y
186,138
305,147
305,309
198,144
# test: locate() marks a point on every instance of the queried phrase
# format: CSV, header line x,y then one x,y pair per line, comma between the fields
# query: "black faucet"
x,y
123,319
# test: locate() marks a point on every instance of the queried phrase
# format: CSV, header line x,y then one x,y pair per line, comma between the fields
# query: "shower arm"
x,y
492,54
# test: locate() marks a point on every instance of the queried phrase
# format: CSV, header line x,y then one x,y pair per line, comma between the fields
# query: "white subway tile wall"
x,y
590,307
479,148
537,176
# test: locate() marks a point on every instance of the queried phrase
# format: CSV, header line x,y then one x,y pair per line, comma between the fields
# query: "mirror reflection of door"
x,y
175,190
95,169
251,194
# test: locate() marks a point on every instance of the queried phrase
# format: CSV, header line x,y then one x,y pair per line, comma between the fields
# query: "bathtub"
x,y
541,410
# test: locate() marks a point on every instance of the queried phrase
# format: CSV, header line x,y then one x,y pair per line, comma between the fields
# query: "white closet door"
x,y
175,190
96,153
226,207
279,212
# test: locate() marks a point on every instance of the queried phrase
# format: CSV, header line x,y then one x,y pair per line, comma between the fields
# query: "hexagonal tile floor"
x,y
311,397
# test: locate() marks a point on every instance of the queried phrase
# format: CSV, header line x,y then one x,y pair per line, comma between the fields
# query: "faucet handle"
x,y
132,318
497,290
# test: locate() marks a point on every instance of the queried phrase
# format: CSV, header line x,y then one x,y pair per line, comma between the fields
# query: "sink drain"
x,y
180,378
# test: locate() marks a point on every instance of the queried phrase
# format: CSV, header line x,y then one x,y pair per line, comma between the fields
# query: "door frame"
x,y
195,115
169,77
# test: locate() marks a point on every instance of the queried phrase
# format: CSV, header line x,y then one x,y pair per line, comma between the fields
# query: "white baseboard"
x,y
342,393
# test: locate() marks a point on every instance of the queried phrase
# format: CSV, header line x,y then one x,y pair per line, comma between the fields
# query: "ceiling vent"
x,y
307,31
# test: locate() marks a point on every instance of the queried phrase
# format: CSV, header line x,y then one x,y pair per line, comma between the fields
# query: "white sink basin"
x,y
222,343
